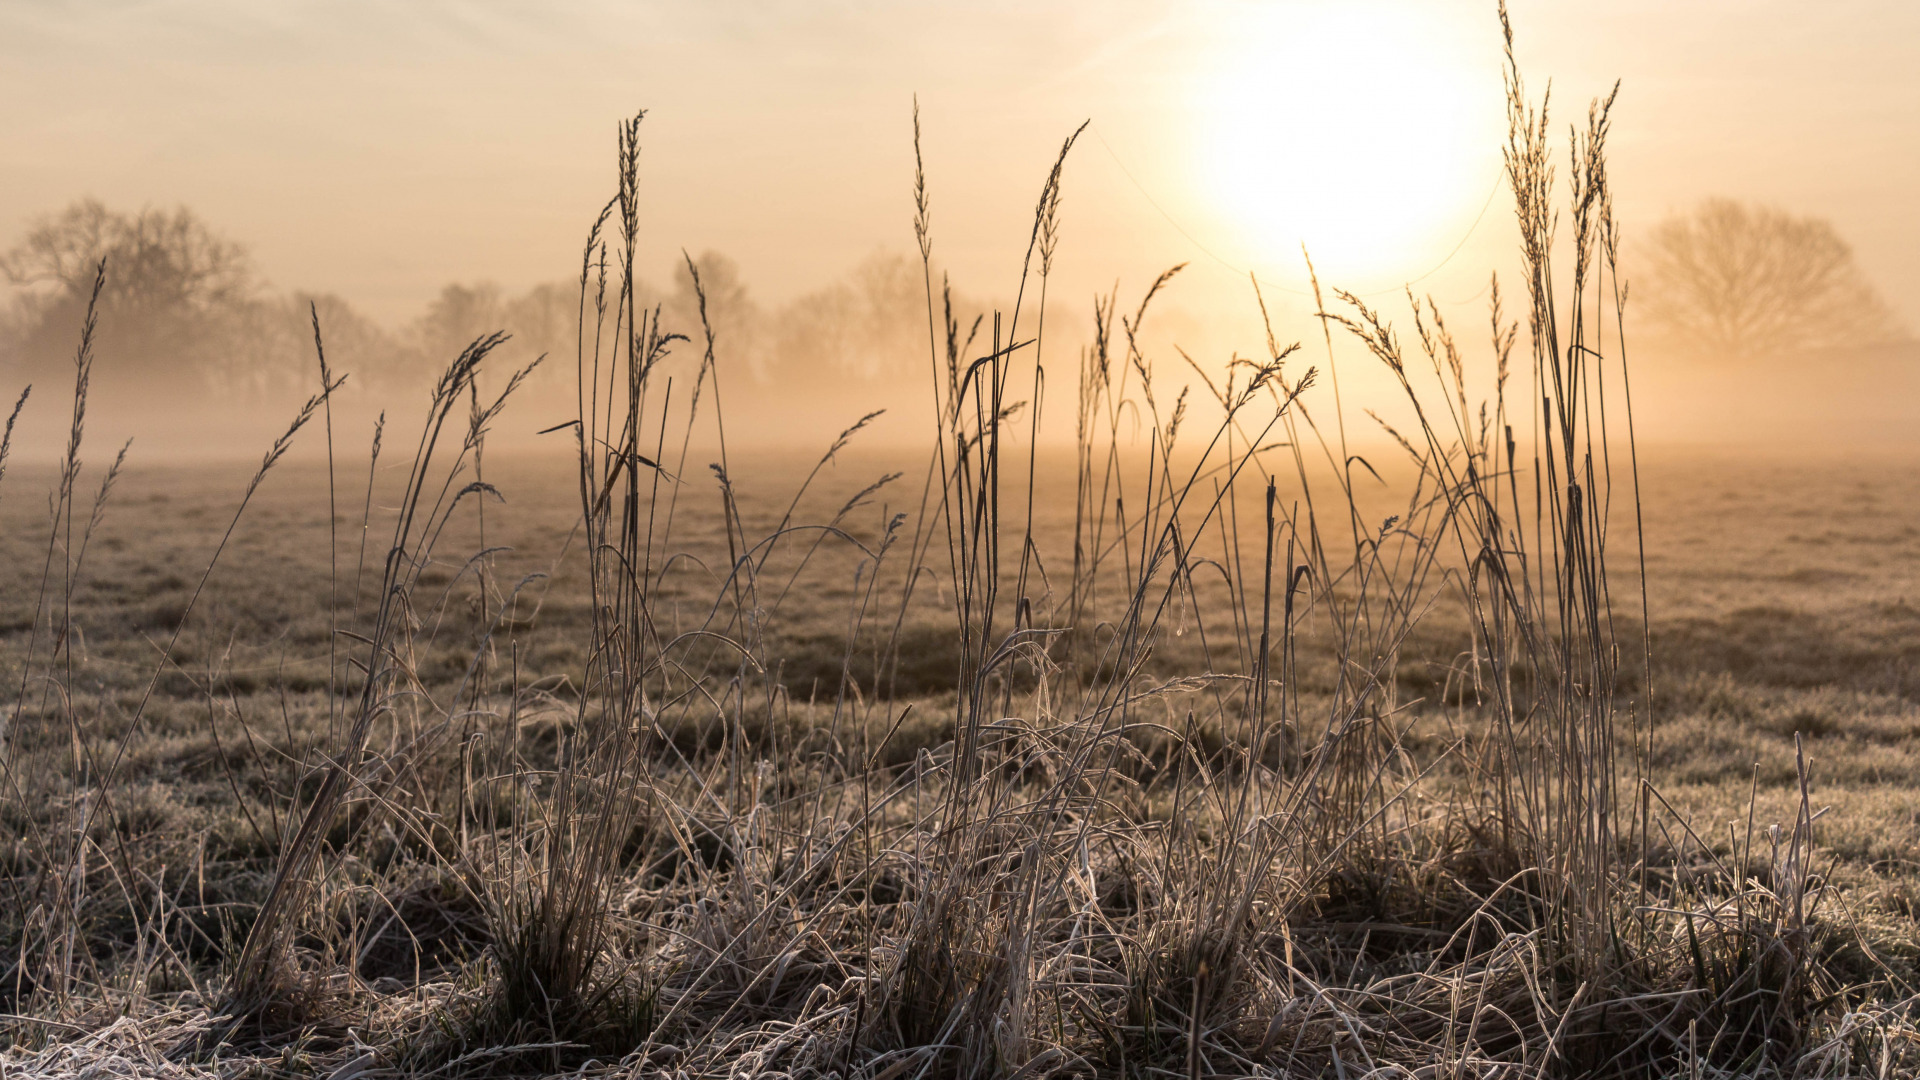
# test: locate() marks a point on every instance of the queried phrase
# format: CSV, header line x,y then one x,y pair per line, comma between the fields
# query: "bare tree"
x,y
734,315
178,296
456,318
1732,281
869,326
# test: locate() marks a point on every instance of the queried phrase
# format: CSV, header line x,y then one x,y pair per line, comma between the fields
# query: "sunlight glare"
x,y
1355,129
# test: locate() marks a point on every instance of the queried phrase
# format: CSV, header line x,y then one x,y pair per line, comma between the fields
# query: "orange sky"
x,y
379,150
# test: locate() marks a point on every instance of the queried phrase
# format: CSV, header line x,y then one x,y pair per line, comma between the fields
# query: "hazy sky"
x,y
379,150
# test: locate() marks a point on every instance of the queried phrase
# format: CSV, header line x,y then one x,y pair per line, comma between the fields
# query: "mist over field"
x,y
198,357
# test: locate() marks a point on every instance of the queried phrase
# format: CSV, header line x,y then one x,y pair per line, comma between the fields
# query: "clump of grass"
x,y
546,880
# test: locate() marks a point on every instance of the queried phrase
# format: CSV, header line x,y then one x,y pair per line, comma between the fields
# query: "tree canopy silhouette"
x,y
182,310
1731,281
178,296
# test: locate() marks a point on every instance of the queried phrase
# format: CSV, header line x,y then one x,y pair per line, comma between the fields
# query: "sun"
x,y
1357,129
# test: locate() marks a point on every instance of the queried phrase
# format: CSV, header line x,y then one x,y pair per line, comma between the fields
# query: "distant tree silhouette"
x,y
545,319
1730,281
870,326
374,361
736,319
184,310
161,258
177,295
453,319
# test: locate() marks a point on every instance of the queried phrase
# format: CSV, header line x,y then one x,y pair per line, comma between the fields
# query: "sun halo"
x,y
1354,129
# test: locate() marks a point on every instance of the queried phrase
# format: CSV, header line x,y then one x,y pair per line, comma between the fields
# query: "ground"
x,y
1782,596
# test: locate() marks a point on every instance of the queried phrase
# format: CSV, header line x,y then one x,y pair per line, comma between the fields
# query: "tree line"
x,y
182,307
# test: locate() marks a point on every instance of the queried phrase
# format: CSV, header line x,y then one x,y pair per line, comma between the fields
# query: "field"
x,y
1782,594
1221,735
